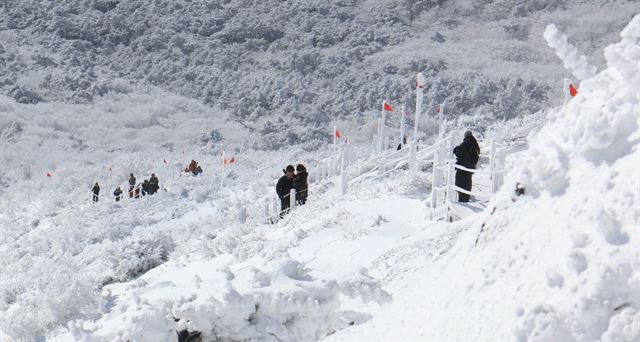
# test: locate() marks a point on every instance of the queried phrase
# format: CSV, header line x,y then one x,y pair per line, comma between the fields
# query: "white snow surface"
x,y
560,262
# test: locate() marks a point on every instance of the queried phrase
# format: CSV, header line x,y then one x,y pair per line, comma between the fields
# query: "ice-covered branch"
x,y
578,64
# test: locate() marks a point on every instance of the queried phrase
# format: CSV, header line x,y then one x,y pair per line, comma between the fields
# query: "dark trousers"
x,y
463,180
284,206
95,198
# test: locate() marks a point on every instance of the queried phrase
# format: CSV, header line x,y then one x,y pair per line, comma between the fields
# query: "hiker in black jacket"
x,y
283,188
118,194
467,155
132,185
300,184
153,184
96,192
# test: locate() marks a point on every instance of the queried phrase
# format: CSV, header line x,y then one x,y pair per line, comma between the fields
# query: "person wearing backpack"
x,y
467,155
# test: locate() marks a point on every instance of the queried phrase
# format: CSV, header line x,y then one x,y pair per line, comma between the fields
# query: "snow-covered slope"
x,y
559,262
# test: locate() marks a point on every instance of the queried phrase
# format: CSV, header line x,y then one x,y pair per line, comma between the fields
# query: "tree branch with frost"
x,y
577,64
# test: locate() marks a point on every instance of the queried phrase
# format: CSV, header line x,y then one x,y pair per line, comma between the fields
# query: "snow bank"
x,y
582,173
559,262
281,301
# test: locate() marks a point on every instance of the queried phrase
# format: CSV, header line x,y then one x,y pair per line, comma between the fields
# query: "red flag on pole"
x,y
572,90
233,160
224,161
337,133
387,107
437,108
49,174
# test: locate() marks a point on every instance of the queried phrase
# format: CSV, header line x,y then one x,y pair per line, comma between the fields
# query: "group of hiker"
x,y
147,187
467,155
293,178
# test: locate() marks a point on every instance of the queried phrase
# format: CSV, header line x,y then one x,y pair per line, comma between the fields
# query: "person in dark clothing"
x,y
118,194
153,184
300,184
96,192
467,155
198,171
283,188
146,187
132,185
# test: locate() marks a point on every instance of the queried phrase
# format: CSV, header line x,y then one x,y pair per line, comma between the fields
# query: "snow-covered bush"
x,y
289,60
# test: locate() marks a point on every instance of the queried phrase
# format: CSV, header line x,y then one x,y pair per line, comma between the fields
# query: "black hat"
x,y
290,168
300,167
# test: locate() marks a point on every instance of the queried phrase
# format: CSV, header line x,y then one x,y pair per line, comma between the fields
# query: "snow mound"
x,y
579,217
222,302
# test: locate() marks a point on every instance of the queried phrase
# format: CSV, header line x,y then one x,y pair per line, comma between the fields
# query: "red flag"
x,y
337,133
387,107
572,90
233,160
49,174
438,108
224,161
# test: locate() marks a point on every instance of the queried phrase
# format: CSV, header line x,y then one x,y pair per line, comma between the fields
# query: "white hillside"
x,y
559,262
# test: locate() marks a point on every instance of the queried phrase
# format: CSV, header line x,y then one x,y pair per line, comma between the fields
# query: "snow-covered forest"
x,y
285,69
94,90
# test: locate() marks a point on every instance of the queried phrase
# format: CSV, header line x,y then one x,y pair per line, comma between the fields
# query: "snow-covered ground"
x,y
560,262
